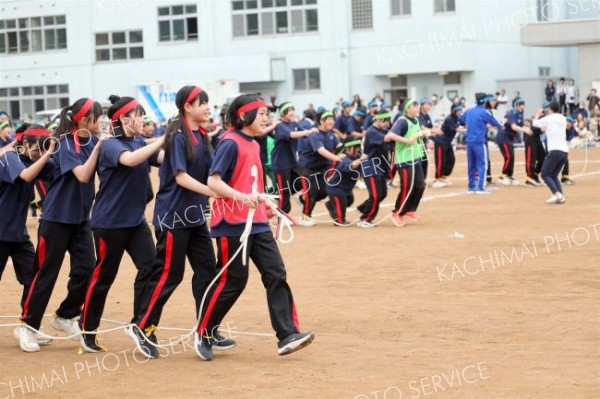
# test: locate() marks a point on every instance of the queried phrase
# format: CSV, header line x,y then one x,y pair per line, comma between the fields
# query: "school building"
x,y
304,51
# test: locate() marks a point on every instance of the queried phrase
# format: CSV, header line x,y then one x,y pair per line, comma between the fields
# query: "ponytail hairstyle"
x,y
125,106
72,114
248,104
187,95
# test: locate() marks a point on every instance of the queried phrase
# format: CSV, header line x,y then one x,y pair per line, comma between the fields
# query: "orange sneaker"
x,y
398,220
411,217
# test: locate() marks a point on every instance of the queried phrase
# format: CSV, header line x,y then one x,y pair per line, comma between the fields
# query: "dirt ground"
x,y
510,310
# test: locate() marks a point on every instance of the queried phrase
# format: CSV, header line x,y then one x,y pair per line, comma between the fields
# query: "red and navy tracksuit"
x,y
339,188
444,153
375,170
180,229
119,225
14,203
505,140
314,168
285,165
65,226
238,163
425,122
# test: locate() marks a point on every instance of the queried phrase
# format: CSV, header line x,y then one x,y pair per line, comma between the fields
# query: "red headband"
x,y
84,110
197,90
252,106
36,132
125,109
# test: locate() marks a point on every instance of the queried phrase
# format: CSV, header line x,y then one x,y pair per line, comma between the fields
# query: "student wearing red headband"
x,y
65,224
18,170
237,178
118,220
179,218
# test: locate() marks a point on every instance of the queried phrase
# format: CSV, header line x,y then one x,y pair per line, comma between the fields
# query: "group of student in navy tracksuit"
x,y
117,224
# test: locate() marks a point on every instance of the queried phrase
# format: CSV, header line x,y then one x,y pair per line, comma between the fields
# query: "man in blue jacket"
x,y
476,120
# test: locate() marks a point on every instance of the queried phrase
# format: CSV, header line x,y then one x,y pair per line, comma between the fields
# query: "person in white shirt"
x,y
571,96
554,125
562,95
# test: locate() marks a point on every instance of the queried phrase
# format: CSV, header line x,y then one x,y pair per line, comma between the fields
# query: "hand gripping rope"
x,y
284,222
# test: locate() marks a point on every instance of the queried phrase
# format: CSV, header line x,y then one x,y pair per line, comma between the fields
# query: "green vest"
x,y
406,153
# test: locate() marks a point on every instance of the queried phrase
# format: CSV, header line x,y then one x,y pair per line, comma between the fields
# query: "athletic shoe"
x,y
89,343
398,220
552,200
361,185
531,182
28,340
144,341
505,180
471,191
345,223
220,343
446,180
306,221
294,342
128,330
560,198
41,339
411,217
364,224
390,184
438,184
566,180
68,326
485,191
203,347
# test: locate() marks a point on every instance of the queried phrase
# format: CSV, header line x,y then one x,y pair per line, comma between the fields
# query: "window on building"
x,y
177,23
400,7
307,79
452,78
33,34
24,102
119,46
362,14
273,17
544,71
441,6
543,10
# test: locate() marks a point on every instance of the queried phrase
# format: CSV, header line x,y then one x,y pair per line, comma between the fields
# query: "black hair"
x,y
177,124
41,141
554,106
22,128
381,112
66,125
118,103
320,115
284,113
233,119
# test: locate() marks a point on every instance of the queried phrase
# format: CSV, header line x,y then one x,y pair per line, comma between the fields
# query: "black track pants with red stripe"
x,y
534,156
337,205
263,251
444,160
288,184
111,244
172,247
412,187
508,153
314,188
22,254
377,187
54,240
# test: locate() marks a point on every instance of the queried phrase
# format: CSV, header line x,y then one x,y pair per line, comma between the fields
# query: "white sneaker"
x,y
552,200
438,184
364,224
505,181
68,326
446,181
361,185
41,339
306,221
27,340
127,331
560,198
